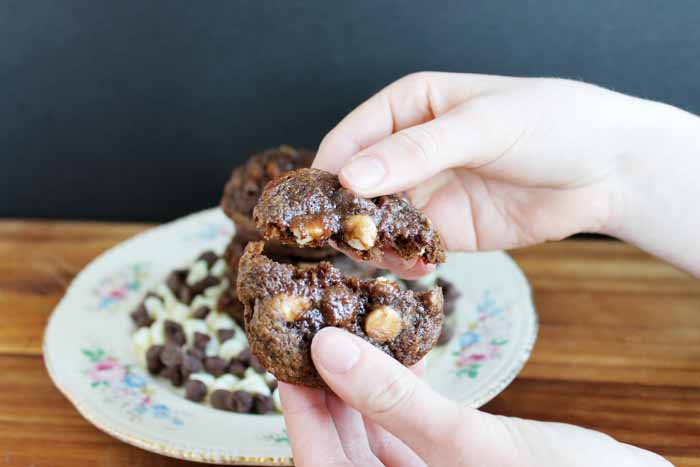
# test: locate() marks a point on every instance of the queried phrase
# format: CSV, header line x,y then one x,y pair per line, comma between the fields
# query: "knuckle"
x,y
391,397
421,142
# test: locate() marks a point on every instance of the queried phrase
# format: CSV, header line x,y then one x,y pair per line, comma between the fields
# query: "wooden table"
x,y
618,349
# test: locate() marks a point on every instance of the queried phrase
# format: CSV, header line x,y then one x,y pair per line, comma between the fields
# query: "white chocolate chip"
x,y
198,271
141,340
157,334
179,312
212,348
190,326
227,381
276,399
205,378
201,300
289,306
215,291
360,232
383,323
168,298
217,321
219,268
154,307
269,377
232,347
254,384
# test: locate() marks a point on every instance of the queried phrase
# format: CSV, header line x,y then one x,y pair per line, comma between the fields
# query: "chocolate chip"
x,y
201,340
201,312
196,353
175,280
215,365
449,307
237,367
210,257
449,290
171,356
220,399
241,402
244,356
174,374
262,404
272,384
140,317
225,334
185,294
446,334
209,281
195,390
174,333
153,362
255,363
150,294
191,365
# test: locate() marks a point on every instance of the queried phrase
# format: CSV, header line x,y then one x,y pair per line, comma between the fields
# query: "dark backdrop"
x,y
137,110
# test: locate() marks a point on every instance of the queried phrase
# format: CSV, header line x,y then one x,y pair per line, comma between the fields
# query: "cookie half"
x,y
309,208
286,305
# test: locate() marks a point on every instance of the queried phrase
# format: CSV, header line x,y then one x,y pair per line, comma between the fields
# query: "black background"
x,y
137,110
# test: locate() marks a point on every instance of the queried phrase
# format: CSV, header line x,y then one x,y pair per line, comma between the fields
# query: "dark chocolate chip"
x,y
225,334
272,385
171,356
215,365
140,316
174,374
175,280
241,402
262,404
195,390
210,257
201,340
244,356
449,307
150,294
220,399
153,362
196,353
174,333
449,290
209,281
191,365
446,334
185,294
237,367
201,312
256,365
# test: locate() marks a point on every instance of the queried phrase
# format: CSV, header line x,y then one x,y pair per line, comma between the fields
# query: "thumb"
x,y
442,432
392,396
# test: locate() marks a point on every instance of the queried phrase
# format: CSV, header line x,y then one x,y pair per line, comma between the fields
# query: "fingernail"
x,y
335,350
363,172
396,263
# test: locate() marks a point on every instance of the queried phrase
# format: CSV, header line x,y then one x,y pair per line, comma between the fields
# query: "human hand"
x,y
383,414
499,162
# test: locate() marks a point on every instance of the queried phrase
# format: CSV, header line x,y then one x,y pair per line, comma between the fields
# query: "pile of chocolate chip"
x,y
182,336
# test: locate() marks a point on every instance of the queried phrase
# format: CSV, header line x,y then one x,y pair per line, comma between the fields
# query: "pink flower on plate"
x,y
466,359
107,370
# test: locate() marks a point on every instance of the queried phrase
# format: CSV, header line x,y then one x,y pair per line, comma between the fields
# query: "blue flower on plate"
x,y
160,410
134,381
468,338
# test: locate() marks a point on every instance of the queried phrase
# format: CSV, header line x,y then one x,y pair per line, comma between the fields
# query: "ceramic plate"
x,y
88,351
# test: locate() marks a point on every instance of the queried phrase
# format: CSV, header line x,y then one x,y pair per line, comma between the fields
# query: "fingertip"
x,y
334,152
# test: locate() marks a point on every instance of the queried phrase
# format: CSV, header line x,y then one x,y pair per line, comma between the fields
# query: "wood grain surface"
x,y
618,350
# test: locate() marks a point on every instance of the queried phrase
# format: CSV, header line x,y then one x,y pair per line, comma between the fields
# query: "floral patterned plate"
x,y
87,347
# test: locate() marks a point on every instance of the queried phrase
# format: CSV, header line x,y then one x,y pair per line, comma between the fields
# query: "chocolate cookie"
x,y
309,208
247,182
285,306
228,301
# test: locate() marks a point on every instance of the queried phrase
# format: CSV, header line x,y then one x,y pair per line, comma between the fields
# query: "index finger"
x,y
410,101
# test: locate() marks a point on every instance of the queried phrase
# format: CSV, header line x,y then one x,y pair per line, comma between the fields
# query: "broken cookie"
x,y
286,305
309,208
